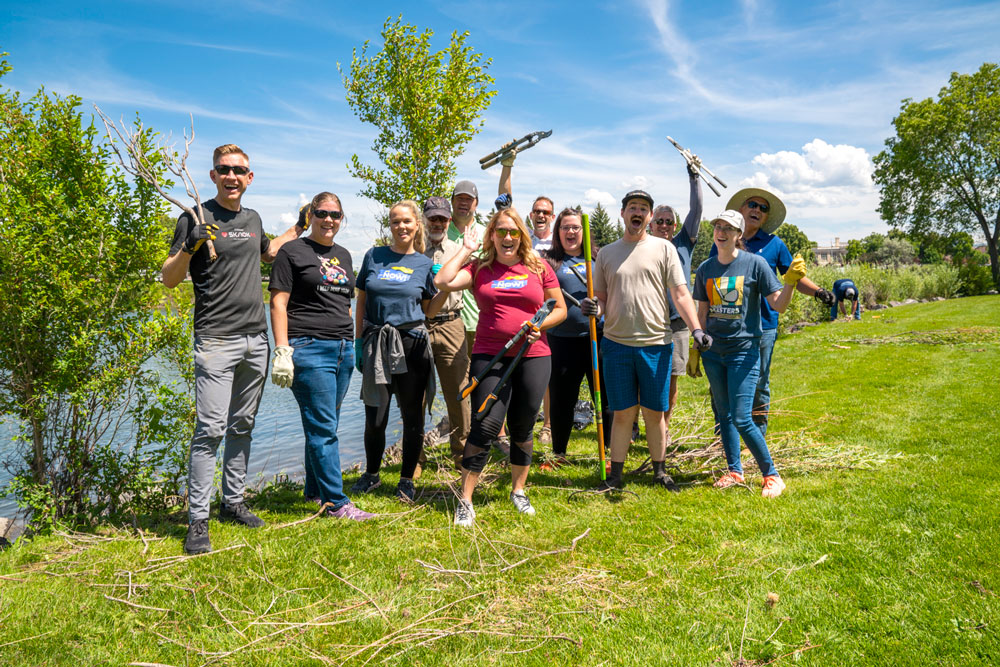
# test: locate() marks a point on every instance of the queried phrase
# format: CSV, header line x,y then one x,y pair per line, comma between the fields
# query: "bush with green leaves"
x,y
94,371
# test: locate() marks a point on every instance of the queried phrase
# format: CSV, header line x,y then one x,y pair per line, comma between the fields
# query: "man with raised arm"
x,y
230,337
631,279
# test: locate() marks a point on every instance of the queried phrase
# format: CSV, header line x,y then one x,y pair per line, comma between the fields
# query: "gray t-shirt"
x,y
734,292
228,299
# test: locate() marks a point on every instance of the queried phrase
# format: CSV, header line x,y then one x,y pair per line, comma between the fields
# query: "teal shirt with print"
x,y
734,292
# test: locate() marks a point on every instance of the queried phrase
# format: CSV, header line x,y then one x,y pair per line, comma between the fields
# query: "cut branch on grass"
x,y
345,581
138,606
571,547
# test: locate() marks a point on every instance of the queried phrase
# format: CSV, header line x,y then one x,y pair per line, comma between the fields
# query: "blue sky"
x,y
789,95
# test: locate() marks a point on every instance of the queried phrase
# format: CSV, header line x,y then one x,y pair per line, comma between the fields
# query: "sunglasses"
x,y
539,211
503,233
323,214
764,208
663,221
224,169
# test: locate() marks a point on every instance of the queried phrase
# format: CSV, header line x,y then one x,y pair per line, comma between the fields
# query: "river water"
x,y
278,443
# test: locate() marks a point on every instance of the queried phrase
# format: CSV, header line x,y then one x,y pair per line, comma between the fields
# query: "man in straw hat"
x,y
763,213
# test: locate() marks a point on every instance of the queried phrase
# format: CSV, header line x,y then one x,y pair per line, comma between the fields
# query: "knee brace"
x,y
475,462
520,457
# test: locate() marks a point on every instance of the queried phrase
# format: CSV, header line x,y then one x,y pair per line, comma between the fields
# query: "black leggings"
x,y
571,362
409,389
518,401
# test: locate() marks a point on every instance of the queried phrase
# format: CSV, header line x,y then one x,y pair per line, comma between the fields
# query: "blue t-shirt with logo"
x,y
576,323
734,293
394,286
774,251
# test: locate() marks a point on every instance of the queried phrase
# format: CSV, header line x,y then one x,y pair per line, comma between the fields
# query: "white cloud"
x,y
593,197
818,165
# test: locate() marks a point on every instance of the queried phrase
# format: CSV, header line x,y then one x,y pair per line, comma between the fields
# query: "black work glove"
x,y
590,307
702,339
503,202
825,297
303,220
197,235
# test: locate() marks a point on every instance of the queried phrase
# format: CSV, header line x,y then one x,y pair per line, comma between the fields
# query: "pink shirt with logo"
x,y
507,296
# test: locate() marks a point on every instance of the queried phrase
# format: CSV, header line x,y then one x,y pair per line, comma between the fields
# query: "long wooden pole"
x,y
596,365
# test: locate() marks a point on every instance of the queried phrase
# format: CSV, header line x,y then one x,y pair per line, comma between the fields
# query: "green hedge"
x,y
877,285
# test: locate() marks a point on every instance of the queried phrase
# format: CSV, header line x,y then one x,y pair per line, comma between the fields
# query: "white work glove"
x,y
282,368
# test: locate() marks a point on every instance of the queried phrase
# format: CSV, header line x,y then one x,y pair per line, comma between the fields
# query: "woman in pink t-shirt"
x,y
510,283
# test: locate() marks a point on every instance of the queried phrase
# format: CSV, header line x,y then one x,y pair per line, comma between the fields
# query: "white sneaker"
x,y
465,516
521,502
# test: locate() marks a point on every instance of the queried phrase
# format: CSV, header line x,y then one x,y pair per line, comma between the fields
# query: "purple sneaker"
x,y
349,511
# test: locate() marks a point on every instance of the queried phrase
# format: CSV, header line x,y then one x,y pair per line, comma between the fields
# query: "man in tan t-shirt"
x,y
631,279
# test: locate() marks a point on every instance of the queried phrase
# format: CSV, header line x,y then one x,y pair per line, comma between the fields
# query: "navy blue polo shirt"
x,y
774,251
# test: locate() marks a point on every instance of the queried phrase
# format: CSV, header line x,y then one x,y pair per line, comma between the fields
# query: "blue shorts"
x,y
637,375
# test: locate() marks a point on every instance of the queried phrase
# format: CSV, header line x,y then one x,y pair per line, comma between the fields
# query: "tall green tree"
x,y
602,231
703,246
81,322
941,171
426,106
797,241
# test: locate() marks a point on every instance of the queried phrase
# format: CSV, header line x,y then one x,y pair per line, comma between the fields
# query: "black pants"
x,y
518,402
409,389
571,362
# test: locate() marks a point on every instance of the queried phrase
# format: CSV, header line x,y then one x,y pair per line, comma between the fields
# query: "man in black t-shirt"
x,y
230,337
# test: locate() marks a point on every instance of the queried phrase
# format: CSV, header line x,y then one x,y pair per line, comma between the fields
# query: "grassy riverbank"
x,y
884,550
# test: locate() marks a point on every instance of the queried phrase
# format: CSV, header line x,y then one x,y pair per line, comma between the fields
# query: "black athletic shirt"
x,y
227,295
320,283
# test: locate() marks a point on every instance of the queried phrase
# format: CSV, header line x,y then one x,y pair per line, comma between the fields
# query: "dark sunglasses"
x,y
538,211
764,208
502,233
333,215
663,221
224,169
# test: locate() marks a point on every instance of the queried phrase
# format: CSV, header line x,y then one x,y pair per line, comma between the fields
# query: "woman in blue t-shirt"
x,y
396,292
569,341
728,290
312,282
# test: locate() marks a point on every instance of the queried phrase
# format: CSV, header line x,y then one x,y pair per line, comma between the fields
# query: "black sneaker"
x,y
405,490
197,541
667,482
241,514
367,482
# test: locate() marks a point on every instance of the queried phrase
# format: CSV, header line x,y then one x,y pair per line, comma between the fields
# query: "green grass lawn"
x,y
884,549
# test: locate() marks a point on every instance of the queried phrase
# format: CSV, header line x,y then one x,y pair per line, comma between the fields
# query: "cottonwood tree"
x,y
426,106
81,324
941,171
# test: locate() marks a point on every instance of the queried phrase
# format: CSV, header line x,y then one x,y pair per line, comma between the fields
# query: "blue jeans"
x,y
762,397
323,371
733,379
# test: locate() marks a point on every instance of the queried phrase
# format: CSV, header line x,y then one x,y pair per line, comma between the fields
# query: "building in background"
x,y
835,254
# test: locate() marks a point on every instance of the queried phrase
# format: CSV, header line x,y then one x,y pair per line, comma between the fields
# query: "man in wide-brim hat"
x,y
763,211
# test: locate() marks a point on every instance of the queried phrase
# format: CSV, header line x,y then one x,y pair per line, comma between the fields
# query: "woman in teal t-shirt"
x,y
728,290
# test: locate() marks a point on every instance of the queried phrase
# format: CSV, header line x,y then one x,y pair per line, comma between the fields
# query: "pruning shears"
x,y
695,163
522,144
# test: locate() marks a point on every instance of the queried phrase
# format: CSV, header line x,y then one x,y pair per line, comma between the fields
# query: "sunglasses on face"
x,y
503,233
663,221
437,218
323,214
538,211
764,208
224,169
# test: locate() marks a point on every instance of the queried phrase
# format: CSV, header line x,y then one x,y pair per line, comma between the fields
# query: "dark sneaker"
x,y
405,490
197,541
503,444
349,511
465,516
241,514
367,482
667,482
521,502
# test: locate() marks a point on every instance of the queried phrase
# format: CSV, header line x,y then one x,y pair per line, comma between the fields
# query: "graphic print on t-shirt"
x,y
511,282
396,274
725,297
334,277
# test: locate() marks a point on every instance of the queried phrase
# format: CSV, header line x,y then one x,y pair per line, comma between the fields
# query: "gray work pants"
x,y
229,374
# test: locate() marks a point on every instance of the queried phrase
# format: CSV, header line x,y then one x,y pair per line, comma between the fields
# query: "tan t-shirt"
x,y
636,275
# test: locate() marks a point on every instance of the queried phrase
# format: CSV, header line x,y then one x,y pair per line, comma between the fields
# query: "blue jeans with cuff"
x,y
323,370
733,377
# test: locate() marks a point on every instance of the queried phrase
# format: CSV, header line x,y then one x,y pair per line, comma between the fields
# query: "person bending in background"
x,y
845,290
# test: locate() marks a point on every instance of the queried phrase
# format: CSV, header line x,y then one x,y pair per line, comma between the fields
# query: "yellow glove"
x,y
694,362
796,272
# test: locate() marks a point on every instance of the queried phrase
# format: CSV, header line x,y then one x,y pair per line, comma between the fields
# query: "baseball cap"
x,y
637,194
437,206
465,188
731,218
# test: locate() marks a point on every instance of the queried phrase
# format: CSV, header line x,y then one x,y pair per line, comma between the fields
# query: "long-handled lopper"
x,y
534,323
522,144
695,162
